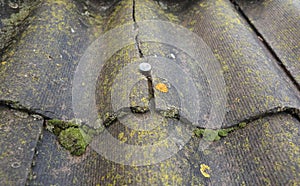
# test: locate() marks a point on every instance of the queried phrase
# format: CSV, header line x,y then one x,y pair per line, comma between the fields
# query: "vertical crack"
x,y
133,12
136,29
141,55
145,69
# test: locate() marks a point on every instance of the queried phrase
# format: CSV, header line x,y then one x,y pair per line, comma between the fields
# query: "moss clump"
x,y
211,135
139,109
73,140
56,126
242,125
207,134
70,136
215,135
224,132
109,118
73,135
199,132
62,124
171,112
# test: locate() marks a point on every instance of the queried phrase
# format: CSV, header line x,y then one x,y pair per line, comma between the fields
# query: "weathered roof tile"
x,y
19,134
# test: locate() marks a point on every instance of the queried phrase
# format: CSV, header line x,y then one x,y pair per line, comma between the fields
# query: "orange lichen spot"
x,y
203,169
162,87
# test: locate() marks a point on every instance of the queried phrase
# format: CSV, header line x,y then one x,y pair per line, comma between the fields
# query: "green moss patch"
x,y
216,134
73,140
56,126
70,136
73,135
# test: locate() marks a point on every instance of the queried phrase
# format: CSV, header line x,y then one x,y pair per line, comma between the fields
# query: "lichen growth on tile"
x,y
204,169
162,87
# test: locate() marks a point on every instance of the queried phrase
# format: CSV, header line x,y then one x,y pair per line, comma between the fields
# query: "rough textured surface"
x,y
255,82
14,18
265,152
37,70
93,169
251,73
19,134
278,22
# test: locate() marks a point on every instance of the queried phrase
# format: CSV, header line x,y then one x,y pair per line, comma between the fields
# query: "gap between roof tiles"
x,y
266,44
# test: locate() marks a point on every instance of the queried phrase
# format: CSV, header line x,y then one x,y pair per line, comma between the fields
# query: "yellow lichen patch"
x,y
162,87
203,169
3,62
122,137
